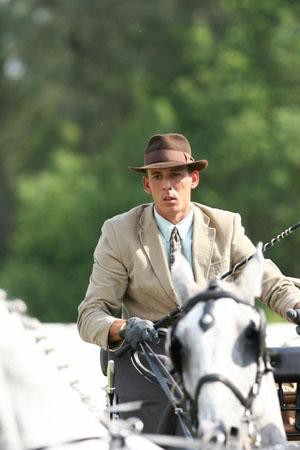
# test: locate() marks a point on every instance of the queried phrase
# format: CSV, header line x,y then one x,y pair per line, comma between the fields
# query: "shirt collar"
x,y
166,227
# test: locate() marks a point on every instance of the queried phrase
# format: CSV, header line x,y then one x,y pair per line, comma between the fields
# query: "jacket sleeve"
x,y
107,285
278,291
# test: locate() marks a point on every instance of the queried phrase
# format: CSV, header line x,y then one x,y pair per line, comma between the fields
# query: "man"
x,y
132,265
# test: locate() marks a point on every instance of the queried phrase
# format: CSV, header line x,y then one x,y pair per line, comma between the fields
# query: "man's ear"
x,y
146,185
195,178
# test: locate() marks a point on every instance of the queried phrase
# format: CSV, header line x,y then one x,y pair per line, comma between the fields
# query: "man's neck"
x,y
174,219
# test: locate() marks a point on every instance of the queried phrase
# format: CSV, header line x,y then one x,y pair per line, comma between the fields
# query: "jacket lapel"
x,y
153,247
202,247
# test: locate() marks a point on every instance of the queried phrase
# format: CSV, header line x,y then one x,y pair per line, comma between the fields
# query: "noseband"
x,y
210,296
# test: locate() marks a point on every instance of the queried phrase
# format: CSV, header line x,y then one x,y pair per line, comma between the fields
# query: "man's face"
x,y
171,191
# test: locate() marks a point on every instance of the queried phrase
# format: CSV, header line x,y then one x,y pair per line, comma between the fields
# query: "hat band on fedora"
x,y
168,155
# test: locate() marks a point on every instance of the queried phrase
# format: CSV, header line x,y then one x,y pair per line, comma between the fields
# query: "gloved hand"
x,y
294,316
138,330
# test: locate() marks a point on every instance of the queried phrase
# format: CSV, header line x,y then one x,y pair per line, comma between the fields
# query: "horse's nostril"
x,y
218,438
213,439
212,434
234,431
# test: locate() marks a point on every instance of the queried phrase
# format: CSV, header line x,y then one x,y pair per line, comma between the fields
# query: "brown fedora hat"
x,y
169,150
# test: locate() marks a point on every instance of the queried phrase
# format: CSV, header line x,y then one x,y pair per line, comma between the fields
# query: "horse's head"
x,y
218,348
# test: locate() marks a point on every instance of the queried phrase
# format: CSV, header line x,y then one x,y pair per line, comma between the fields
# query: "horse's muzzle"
x,y
212,433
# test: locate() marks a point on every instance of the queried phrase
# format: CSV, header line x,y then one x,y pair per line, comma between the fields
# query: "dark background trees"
x,y
83,85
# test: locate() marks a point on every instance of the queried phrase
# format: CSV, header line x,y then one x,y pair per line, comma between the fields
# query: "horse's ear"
x,y
183,278
250,280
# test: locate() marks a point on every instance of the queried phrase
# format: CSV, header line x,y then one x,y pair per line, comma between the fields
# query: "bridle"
x,y
209,297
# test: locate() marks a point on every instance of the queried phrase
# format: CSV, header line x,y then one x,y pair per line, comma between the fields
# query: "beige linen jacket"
x,y
131,270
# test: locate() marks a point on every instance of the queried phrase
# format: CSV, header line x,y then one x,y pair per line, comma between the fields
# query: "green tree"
x,y
56,230
225,73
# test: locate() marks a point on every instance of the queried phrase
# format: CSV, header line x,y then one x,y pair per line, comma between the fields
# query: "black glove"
x,y
138,330
294,316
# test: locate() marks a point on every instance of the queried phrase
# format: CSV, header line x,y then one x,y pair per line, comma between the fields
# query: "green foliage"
x,y
56,230
271,316
98,79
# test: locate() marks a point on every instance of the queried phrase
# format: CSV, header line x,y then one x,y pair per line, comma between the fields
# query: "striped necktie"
x,y
175,245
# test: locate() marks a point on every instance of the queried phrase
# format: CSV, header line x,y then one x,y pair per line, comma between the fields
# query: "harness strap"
x,y
212,293
156,366
216,377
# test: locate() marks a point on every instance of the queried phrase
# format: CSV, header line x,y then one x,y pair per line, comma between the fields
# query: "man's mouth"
x,y
169,198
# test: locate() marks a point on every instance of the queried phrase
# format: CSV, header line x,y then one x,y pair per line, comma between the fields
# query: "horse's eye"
x,y
251,331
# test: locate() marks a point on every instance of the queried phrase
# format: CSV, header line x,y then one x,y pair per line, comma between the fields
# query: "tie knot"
x,y
175,236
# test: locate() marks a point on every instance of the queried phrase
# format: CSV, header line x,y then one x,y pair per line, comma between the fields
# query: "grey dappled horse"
x,y
218,347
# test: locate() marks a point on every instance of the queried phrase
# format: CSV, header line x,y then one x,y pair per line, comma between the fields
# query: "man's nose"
x,y
167,183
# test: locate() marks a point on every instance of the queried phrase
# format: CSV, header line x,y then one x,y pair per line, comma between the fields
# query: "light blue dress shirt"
x,y
185,231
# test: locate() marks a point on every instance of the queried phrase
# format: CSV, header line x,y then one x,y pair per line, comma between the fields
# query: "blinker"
x,y
251,331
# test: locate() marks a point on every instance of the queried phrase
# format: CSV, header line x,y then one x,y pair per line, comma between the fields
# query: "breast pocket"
x,y
218,268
